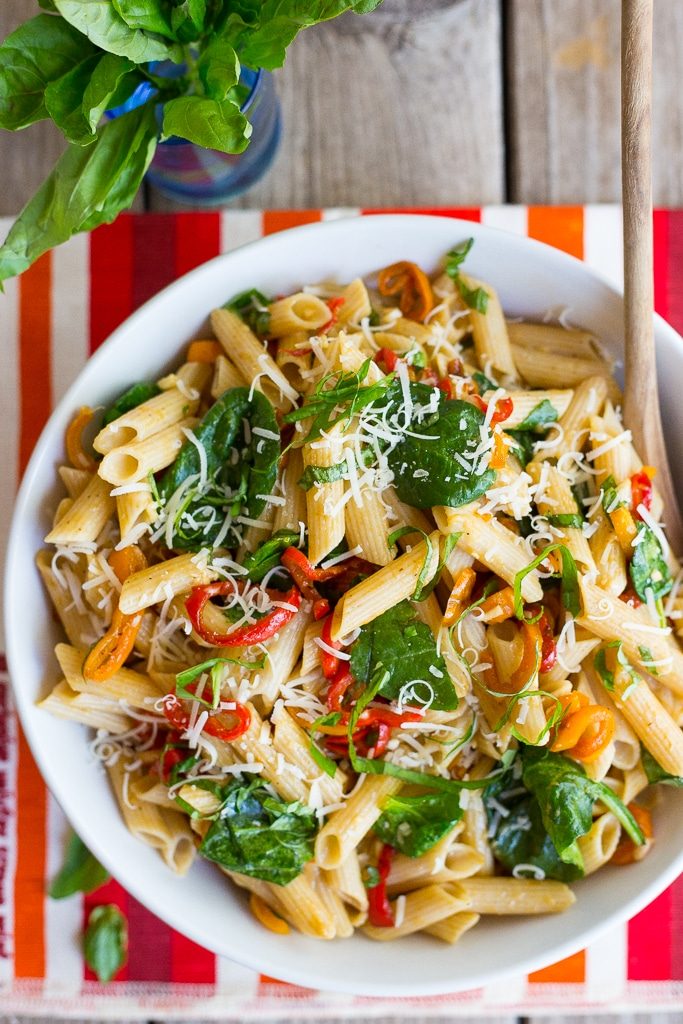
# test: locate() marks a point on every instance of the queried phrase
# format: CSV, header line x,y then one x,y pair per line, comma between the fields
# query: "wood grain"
x,y
401,107
563,101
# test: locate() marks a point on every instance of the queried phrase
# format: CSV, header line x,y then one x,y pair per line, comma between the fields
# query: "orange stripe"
x,y
561,226
572,970
35,391
280,220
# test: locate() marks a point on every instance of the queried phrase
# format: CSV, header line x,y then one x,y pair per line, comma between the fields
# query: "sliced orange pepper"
x,y
499,606
531,657
584,733
73,440
459,596
108,655
499,454
571,702
408,284
625,528
204,351
627,852
265,916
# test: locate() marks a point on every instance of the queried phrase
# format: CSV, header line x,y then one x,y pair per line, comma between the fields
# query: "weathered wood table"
x,y
430,102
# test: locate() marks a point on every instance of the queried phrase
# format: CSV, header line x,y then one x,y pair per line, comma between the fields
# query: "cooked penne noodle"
x,y
151,417
247,352
345,828
503,896
86,517
162,581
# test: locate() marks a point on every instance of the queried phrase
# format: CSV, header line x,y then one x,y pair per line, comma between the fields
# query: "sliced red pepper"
x,y
380,913
641,492
334,305
253,632
330,664
548,645
479,402
387,358
305,575
338,687
171,757
630,598
176,714
445,384
503,411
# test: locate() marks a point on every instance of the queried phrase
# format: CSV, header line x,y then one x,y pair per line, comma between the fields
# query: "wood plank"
x,y
563,101
400,107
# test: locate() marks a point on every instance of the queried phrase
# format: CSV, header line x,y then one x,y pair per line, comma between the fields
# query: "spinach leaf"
x,y
234,485
524,445
149,15
413,824
654,771
64,102
80,872
130,399
267,555
541,416
428,469
519,835
648,569
566,519
40,51
106,941
398,642
111,84
88,186
483,382
475,298
252,307
565,797
259,835
215,124
219,69
101,23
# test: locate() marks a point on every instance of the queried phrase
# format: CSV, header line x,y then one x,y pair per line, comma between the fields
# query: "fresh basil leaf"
x,y
111,84
219,69
80,872
260,835
648,569
252,307
233,486
64,102
148,15
414,824
654,771
267,555
313,475
214,668
475,298
483,382
210,123
571,595
571,520
106,941
540,417
261,30
600,666
347,394
189,18
427,469
88,186
524,445
40,51
130,399
323,762
103,25
647,659
516,829
610,497
402,645
48,5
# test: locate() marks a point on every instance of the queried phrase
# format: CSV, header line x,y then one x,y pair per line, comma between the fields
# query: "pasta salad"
x,y
369,603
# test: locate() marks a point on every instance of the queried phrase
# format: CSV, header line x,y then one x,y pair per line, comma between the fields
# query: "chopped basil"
x,y
571,595
566,519
130,399
655,772
252,307
483,382
648,569
475,298
267,555
540,417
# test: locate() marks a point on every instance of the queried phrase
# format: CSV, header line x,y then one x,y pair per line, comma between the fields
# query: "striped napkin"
x,y
50,322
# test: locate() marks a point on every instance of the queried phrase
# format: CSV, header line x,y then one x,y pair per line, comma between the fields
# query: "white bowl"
x,y
530,279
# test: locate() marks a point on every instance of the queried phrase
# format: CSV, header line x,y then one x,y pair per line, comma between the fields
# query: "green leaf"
x,y
334,403
88,186
210,123
600,666
130,399
189,18
80,872
267,555
414,824
483,382
111,84
260,835
64,102
571,595
40,51
427,468
261,30
654,771
313,475
524,445
648,569
572,520
325,763
106,941
100,22
610,497
214,667
148,15
404,647
219,69
48,5
540,417
252,307
233,487
475,298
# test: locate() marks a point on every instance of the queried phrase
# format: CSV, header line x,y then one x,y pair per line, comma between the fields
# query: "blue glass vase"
x,y
196,176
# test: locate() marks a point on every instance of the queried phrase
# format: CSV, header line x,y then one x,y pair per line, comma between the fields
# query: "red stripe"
x,y
661,260
649,941
461,212
111,278
149,954
677,929
111,892
674,270
153,255
34,354
280,220
191,963
197,239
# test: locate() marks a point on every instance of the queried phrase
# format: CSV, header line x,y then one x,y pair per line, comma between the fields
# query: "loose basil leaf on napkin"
x,y
414,824
106,941
80,872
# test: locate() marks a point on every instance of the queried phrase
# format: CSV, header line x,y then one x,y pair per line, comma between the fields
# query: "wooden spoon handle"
x,y
641,403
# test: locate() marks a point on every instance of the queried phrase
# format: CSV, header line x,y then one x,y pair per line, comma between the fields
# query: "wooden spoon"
x,y
641,402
